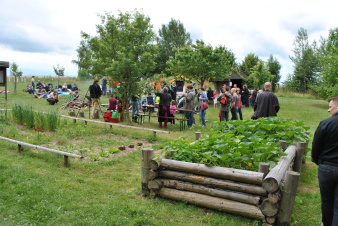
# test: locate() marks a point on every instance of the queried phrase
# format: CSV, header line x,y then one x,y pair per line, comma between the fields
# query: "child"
x,y
172,110
215,99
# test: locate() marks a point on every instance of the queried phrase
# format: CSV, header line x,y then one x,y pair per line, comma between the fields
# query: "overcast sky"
x,y
39,34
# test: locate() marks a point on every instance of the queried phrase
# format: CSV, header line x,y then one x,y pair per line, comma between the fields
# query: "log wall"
x,y
255,195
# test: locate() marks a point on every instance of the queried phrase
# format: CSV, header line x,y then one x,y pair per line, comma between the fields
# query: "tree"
x,y
202,62
305,61
14,72
170,36
84,55
59,71
259,75
328,74
123,50
274,68
248,63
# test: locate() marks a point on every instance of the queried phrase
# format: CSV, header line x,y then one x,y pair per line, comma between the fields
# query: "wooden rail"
x,y
115,124
65,154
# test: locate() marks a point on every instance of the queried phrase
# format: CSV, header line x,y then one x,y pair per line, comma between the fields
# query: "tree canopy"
x,y
170,36
201,62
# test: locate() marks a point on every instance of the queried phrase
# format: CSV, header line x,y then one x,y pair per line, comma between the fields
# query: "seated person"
x,y
64,88
69,86
75,88
39,93
29,89
39,85
150,99
76,95
112,103
53,98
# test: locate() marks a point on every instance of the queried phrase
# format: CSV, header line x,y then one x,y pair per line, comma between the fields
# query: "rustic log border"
x,y
65,154
264,195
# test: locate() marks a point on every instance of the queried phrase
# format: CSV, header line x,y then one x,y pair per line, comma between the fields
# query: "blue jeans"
x,y
202,113
234,114
189,116
328,184
135,109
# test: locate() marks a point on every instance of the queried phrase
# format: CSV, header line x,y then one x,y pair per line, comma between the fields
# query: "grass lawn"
x,y
37,190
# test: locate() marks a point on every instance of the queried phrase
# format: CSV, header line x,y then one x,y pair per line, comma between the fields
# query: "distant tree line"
x,y
315,65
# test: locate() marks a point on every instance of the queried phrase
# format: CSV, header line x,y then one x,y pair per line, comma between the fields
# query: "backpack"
x,y
224,100
107,116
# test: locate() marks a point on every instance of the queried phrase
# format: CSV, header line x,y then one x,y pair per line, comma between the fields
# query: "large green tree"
x,y
305,61
274,67
14,70
201,62
248,63
123,50
84,55
173,35
328,74
259,75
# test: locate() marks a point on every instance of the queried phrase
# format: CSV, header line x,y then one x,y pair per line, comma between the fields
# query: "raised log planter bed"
x,y
256,195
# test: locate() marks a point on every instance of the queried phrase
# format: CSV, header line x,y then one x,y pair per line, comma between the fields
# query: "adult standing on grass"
x,y
234,104
245,96
202,97
164,107
325,155
33,82
104,86
266,103
225,108
189,104
95,94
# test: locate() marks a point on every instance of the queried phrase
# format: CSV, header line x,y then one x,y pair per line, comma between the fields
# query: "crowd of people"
x,y
42,90
194,101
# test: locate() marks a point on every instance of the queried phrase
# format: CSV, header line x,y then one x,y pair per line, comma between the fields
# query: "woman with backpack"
x,y
203,99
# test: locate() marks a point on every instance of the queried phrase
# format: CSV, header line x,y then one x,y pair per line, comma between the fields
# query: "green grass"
x,y
35,189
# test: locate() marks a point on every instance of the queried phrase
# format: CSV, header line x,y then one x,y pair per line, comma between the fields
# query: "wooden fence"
x,y
115,124
255,195
65,154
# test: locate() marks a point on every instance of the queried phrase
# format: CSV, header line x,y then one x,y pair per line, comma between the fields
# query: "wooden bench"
x,y
181,120
65,154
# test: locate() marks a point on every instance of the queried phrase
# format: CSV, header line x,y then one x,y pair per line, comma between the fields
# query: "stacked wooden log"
x,y
74,104
255,195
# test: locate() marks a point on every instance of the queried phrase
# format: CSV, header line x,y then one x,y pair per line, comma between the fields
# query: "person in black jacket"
x,y
95,94
325,155
266,103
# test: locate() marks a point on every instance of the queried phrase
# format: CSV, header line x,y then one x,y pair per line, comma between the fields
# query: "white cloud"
x,y
41,33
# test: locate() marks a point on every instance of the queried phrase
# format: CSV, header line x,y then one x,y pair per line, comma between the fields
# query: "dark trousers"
x,y
328,184
240,113
224,115
234,114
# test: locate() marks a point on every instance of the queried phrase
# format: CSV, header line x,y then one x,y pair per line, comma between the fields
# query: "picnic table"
x,y
151,108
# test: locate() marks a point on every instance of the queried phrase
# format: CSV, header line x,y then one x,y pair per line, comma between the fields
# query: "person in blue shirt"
x,y
202,97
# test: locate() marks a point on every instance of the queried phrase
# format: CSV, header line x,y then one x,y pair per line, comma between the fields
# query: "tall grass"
x,y
25,115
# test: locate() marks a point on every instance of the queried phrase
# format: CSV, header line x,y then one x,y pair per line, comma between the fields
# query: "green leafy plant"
x,y
241,144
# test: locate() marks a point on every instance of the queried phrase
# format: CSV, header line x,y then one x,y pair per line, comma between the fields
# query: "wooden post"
x,y
264,168
147,156
282,144
19,148
288,198
299,156
66,162
198,135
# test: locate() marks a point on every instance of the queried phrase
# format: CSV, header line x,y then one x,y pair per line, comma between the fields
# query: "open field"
x,y
37,190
